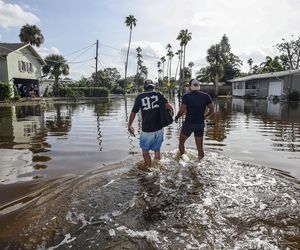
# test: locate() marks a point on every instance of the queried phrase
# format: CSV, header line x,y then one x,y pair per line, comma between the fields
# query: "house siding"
x,y
263,89
3,70
23,55
295,83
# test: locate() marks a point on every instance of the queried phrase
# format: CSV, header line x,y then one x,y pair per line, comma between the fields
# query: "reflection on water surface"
x,y
76,138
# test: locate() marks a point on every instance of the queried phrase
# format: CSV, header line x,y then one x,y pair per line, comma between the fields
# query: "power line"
x,y
68,62
79,50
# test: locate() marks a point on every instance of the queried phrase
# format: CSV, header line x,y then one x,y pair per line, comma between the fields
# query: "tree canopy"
x,y
55,66
31,34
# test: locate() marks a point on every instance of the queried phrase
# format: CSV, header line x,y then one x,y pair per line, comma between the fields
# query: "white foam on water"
x,y
68,239
212,203
75,218
112,232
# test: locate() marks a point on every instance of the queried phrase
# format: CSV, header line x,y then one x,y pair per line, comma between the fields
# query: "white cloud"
x,y
43,52
13,15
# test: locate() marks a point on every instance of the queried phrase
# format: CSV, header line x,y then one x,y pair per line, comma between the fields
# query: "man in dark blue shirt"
x,y
151,138
194,104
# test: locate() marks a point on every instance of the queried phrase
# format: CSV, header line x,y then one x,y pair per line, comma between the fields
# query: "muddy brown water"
x,y
69,178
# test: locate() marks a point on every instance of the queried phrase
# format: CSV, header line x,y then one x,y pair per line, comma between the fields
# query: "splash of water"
x,y
214,203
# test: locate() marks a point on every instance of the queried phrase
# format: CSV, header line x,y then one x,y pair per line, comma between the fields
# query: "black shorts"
x,y
198,129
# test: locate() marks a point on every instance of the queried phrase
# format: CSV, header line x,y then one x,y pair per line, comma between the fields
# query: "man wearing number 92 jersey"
x,y
151,138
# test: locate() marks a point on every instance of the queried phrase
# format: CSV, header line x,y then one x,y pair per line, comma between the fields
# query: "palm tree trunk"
x,y
170,68
126,64
55,85
216,85
183,68
177,68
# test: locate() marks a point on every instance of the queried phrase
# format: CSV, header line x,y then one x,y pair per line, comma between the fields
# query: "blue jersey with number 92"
x,y
149,104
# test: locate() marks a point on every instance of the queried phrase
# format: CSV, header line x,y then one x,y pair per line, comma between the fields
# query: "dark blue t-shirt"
x,y
149,103
196,103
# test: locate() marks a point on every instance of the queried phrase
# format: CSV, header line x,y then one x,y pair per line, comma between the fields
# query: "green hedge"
x,y
5,91
93,92
294,96
83,91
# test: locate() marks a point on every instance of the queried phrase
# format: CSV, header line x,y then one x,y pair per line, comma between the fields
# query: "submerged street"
x,y
243,194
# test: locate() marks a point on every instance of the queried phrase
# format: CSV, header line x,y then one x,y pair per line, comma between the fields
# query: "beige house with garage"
x,y
21,66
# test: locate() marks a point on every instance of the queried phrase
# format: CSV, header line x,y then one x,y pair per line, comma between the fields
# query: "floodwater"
x,y
69,178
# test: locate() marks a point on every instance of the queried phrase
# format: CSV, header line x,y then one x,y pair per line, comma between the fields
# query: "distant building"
x,y
47,83
275,84
21,65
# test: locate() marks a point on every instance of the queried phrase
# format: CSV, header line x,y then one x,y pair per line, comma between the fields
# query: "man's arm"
x,y
131,119
181,111
209,111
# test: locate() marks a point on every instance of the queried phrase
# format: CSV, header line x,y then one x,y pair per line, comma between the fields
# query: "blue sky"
x,y
253,28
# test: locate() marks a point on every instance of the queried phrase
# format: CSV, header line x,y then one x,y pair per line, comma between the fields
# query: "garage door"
x,y
275,88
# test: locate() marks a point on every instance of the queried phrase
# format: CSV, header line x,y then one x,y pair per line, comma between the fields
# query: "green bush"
x,y
17,96
94,91
62,92
117,90
5,91
294,96
47,92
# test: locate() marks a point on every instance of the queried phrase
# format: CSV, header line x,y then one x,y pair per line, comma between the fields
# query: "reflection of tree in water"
x,y
61,122
220,123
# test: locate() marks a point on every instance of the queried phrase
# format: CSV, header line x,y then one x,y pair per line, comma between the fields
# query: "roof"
x,y
7,48
266,75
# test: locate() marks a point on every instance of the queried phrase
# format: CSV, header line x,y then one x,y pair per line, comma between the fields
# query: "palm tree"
x,y
130,21
55,66
139,63
144,70
178,53
215,59
163,59
250,62
170,54
158,68
184,37
271,65
169,48
191,65
31,34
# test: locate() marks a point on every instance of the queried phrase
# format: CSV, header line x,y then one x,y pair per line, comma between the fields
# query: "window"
x,y
29,67
25,66
238,85
22,66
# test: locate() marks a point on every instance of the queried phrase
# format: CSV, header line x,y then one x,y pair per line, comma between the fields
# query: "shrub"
x,y
94,91
294,96
16,94
117,90
5,91
47,92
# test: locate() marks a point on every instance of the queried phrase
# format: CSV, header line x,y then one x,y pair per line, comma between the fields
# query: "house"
x,y
47,83
268,85
20,65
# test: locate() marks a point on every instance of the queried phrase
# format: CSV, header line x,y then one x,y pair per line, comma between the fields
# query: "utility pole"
x,y
96,77
96,73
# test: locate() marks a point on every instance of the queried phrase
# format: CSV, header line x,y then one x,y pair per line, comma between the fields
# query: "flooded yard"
x,y
69,178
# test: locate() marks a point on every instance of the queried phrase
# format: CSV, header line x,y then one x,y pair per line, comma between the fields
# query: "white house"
x,y
21,65
278,84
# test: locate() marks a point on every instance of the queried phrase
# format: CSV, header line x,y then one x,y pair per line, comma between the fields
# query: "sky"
x,y
72,27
